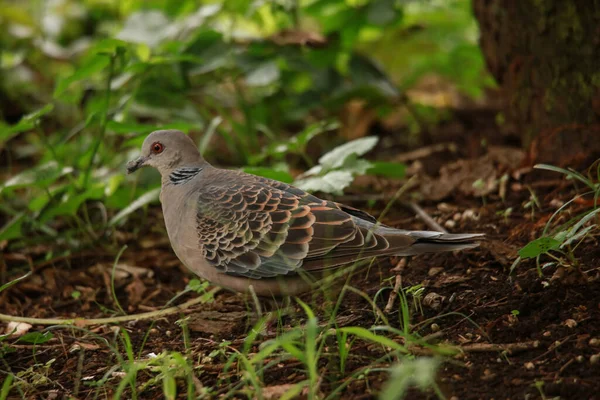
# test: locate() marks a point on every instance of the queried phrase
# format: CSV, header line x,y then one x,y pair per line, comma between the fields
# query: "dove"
x,y
249,233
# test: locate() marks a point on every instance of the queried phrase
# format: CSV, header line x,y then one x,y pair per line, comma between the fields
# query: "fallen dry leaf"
x,y
135,291
275,392
17,329
462,174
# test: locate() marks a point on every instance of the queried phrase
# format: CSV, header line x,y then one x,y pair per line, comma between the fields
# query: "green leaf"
x,y
129,127
149,27
570,174
313,130
93,65
420,372
387,169
36,337
72,200
295,391
538,247
270,173
37,203
355,165
336,157
14,281
382,12
265,74
588,217
209,132
132,127
13,228
369,336
146,198
113,184
332,182
6,386
579,235
26,123
169,387
40,176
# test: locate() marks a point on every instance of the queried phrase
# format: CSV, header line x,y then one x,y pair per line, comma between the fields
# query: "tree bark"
x,y
545,55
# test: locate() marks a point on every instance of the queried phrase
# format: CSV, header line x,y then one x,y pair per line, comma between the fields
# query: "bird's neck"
x,y
182,174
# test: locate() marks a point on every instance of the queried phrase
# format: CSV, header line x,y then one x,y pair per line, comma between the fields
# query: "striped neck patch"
x,y
183,175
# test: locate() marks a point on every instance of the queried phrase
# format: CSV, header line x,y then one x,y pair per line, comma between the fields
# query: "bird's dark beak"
x,y
136,164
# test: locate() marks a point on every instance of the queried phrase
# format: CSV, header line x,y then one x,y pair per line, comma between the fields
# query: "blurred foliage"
x,y
82,83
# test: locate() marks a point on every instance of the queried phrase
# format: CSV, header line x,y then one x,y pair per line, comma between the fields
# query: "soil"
x,y
521,335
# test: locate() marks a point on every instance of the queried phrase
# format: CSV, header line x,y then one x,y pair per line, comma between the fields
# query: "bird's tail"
x,y
434,242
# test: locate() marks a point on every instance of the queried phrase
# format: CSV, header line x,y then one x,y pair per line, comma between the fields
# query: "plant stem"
x,y
103,120
111,320
112,280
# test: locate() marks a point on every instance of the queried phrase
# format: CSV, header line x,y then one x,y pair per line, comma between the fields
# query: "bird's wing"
x,y
259,228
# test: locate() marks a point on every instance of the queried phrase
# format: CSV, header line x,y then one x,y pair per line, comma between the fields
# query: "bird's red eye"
x,y
157,147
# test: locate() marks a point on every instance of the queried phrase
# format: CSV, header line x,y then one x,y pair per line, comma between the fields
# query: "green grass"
x,y
560,242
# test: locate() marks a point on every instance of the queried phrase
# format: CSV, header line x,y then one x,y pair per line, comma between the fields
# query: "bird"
x,y
249,233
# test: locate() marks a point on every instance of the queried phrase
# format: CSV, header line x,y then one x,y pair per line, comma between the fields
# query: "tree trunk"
x,y
545,54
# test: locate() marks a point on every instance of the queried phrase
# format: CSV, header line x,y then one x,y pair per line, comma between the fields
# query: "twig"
x,y
433,336
397,286
103,321
392,298
423,125
426,218
510,348
103,120
553,347
426,151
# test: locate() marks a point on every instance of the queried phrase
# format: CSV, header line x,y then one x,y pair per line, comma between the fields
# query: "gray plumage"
x,y
235,229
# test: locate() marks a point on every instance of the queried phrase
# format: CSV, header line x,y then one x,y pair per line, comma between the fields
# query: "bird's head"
x,y
166,150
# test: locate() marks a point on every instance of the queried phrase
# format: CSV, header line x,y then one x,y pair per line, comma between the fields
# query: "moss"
x,y
568,22
596,79
552,62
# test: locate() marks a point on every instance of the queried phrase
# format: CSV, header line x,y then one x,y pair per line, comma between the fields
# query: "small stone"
x,y
529,365
168,333
556,203
487,375
594,342
444,207
435,327
457,217
571,323
595,358
547,334
450,224
433,300
580,359
470,215
75,347
435,271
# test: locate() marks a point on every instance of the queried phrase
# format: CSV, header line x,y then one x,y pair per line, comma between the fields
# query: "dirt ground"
x,y
522,336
